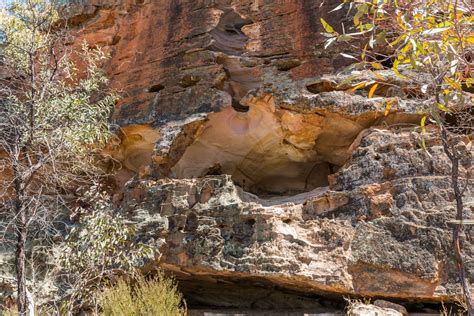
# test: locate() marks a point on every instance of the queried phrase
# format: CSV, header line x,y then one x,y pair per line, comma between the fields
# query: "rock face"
x,y
385,238
359,309
245,162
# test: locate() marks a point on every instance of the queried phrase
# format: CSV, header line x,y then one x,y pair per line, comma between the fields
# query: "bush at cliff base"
x,y
158,296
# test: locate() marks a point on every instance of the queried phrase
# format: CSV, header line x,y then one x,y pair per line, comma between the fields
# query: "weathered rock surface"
x,y
380,229
255,173
261,179
177,61
252,164
360,309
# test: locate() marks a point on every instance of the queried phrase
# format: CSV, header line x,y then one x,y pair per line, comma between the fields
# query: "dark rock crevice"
x,y
229,44
227,36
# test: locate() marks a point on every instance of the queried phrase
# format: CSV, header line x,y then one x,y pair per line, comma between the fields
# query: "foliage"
x,y
10,312
54,118
67,108
352,303
426,37
145,297
429,46
458,308
61,114
100,246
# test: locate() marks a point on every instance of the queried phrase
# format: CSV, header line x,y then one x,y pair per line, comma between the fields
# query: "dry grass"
x,y
144,297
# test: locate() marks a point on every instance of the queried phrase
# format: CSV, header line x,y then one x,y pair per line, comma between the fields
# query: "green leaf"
x,y
344,38
364,52
398,39
442,107
326,26
452,83
329,42
388,107
347,80
423,145
361,10
377,66
348,56
364,8
381,37
435,30
420,49
397,72
423,121
422,124
357,17
469,82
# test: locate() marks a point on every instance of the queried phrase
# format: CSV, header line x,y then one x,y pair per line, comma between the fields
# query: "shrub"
x,y
158,296
101,247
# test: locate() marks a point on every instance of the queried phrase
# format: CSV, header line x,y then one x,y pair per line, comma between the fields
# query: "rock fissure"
x,y
228,36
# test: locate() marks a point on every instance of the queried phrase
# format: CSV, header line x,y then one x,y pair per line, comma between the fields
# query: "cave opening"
x,y
292,179
253,295
288,179
263,157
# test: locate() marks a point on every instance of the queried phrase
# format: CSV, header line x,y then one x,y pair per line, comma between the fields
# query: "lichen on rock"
x,y
244,160
268,166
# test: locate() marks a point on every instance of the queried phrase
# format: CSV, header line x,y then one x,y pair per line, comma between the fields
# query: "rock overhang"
x,y
239,93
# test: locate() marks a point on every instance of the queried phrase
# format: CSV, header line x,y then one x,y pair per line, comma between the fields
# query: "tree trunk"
x,y
21,231
456,236
454,157
20,262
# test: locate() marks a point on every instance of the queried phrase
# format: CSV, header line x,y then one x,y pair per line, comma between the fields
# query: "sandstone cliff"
x,y
246,162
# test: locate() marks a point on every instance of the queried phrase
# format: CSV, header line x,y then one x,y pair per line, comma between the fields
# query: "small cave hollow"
x,y
262,155
230,41
156,88
321,86
239,107
228,36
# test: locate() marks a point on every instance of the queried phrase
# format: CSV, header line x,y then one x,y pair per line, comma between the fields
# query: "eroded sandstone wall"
x,y
179,60
252,163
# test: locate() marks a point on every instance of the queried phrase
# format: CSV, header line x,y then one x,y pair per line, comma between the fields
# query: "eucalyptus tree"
x,y
54,118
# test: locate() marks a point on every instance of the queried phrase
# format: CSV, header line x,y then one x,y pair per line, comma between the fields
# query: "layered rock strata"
x,y
257,173
381,229
244,161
